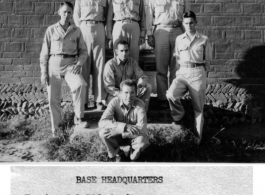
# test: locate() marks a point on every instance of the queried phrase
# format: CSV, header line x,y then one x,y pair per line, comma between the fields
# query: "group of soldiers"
x,y
74,51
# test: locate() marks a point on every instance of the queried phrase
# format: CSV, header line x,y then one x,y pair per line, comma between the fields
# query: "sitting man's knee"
x,y
149,87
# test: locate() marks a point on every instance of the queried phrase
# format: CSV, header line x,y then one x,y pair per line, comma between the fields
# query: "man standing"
x,y
90,16
123,67
124,123
164,20
193,51
62,56
129,17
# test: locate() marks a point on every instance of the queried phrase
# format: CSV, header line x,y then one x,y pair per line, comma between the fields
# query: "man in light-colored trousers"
x,y
164,24
90,16
130,20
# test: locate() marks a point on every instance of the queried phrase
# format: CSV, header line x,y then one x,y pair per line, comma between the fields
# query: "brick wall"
x,y
236,28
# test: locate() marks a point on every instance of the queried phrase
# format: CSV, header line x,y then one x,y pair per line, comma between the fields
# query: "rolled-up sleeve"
x,y
109,80
82,51
45,51
107,120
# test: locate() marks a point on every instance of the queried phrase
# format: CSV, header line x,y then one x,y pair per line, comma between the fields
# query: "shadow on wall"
x,y
234,101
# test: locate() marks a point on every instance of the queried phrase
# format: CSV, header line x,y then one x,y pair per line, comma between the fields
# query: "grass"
x,y
167,144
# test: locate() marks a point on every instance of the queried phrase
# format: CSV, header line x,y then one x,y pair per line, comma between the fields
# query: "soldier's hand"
x,y
151,41
110,42
141,40
76,69
132,129
44,78
111,133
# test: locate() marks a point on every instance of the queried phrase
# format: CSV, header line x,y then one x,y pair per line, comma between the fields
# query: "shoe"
x,y
100,106
81,122
197,140
119,158
178,125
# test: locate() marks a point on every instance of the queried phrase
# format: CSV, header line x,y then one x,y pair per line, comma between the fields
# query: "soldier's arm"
x,y
208,53
82,50
109,80
149,18
45,51
139,73
108,121
77,13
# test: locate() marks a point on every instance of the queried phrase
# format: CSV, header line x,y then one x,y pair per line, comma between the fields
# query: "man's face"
x,y
128,94
65,12
122,52
189,25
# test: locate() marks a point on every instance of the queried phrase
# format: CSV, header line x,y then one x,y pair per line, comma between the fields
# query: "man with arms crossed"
x,y
62,56
193,51
124,123
90,16
164,24
123,67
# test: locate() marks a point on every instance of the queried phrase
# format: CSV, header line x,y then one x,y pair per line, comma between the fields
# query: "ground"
x,y
30,140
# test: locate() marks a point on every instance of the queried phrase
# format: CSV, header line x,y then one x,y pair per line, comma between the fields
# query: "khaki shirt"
x,y
94,10
115,72
57,41
165,12
126,9
197,50
116,116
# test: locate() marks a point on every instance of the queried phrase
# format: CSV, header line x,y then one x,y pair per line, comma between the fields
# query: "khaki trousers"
x,y
145,97
114,144
129,32
94,37
77,86
165,61
194,81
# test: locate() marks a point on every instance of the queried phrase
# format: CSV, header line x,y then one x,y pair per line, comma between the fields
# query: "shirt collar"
x,y
72,26
122,104
119,62
197,35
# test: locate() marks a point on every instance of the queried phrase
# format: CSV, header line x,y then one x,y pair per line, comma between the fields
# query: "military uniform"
x,y
130,23
192,56
60,51
135,115
115,72
90,15
164,22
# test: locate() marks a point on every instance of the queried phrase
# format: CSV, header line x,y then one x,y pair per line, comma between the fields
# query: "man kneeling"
x,y
124,123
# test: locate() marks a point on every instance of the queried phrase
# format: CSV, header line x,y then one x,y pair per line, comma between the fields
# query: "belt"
x,y
64,55
169,26
192,65
127,20
92,22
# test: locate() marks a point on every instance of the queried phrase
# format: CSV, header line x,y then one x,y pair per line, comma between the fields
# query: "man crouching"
x,y
124,123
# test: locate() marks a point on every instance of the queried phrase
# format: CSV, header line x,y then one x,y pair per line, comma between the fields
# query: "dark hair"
x,y
67,3
122,42
129,82
189,14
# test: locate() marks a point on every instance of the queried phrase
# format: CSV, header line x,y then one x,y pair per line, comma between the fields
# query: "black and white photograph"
x,y
132,81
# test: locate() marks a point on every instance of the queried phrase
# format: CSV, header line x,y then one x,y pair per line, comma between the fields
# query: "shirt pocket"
x,y
55,42
118,5
73,43
160,6
134,5
179,6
